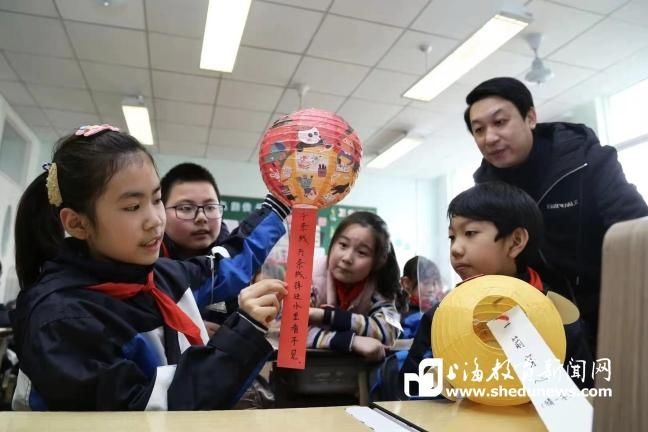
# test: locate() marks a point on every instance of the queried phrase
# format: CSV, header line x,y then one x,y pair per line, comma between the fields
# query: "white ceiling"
x,y
64,63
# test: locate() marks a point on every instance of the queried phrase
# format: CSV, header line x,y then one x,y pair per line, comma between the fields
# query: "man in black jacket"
x,y
578,184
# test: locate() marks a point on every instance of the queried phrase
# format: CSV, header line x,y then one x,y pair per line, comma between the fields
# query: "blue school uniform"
x,y
82,349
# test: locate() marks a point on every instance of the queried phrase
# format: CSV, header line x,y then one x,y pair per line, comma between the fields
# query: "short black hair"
x,y
186,172
507,88
507,207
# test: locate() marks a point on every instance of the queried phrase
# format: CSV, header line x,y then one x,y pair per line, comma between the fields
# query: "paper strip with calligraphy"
x,y
560,405
299,275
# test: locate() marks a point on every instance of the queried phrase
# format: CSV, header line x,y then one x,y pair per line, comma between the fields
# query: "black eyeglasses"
x,y
190,211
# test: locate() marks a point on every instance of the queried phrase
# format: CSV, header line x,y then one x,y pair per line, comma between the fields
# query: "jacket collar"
x,y
75,260
73,268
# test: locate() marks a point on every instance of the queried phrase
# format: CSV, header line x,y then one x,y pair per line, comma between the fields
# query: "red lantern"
x,y
310,159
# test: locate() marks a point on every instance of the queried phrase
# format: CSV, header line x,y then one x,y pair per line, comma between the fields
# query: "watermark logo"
x,y
431,375
429,378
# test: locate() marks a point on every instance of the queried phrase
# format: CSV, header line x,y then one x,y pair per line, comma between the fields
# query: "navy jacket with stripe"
x,y
80,349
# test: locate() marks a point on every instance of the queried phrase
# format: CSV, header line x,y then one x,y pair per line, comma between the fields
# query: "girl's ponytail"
x,y
38,232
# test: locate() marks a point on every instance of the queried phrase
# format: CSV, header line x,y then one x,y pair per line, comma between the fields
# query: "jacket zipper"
x,y
559,180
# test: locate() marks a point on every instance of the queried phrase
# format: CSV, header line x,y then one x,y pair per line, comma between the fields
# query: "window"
x,y
461,179
13,154
6,232
633,159
628,130
627,114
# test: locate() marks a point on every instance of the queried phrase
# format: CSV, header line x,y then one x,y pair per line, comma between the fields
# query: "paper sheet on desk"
x,y
560,404
375,420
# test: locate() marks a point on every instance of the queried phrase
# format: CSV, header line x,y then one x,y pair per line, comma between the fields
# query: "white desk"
x,y
284,420
429,415
446,416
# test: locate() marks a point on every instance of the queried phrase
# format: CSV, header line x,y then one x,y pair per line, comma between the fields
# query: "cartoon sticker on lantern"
x,y
330,198
278,153
340,189
285,191
274,174
344,162
346,141
306,183
310,138
310,162
286,171
321,170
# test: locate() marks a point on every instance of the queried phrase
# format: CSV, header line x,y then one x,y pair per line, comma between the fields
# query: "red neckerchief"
x,y
164,250
534,279
347,293
414,300
172,315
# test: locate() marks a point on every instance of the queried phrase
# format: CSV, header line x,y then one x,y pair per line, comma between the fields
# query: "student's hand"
x,y
315,316
369,348
261,300
211,327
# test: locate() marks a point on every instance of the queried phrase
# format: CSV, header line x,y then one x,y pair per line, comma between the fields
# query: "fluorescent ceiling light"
x,y
398,149
495,33
137,120
223,31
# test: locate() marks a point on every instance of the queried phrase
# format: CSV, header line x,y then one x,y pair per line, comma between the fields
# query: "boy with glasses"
x,y
195,227
191,230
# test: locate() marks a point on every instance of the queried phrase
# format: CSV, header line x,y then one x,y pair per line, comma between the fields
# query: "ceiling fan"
x,y
538,73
